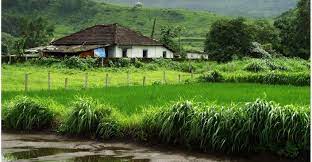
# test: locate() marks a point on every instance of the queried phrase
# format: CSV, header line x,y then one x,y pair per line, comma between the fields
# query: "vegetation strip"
x,y
255,126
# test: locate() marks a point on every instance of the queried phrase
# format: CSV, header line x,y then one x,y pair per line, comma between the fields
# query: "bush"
x,y
80,63
137,63
119,63
45,61
274,66
254,67
27,114
298,79
85,117
213,76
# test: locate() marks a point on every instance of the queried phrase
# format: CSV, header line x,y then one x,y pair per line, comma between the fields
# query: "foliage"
x,y
32,30
12,45
228,37
213,76
168,34
45,61
121,62
25,113
294,26
232,129
254,67
298,79
80,63
265,33
85,117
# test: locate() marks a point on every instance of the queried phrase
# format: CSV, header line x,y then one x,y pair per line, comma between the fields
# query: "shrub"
x,y
121,62
45,61
254,67
151,67
137,63
80,63
25,113
213,76
298,79
85,117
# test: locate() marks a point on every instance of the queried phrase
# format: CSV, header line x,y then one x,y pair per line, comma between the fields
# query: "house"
x,y
108,41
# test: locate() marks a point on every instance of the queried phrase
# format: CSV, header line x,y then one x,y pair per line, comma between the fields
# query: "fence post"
x,y
86,81
164,77
49,80
26,82
65,84
144,80
192,74
106,80
179,78
10,59
128,78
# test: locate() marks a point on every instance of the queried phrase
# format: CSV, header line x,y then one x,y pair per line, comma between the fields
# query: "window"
x,y
124,53
145,53
164,54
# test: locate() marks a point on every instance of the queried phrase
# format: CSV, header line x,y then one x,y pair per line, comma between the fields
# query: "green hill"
x,y
249,8
70,16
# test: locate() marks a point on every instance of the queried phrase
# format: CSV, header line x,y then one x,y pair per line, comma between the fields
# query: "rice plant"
x,y
85,116
256,126
24,113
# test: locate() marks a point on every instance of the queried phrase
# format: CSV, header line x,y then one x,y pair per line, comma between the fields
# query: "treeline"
x,y
289,35
26,23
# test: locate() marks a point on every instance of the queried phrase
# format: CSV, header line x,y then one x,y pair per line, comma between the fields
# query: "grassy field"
x,y
235,71
222,117
134,99
13,77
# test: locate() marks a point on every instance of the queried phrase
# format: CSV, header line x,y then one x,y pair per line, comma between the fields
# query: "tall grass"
x,y
257,126
85,117
254,127
24,113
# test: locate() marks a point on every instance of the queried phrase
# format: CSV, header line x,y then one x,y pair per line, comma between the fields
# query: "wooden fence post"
x,y
179,78
128,78
106,80
164,77
192,74
86,81
144,80
65,84
26,82
49,80
10,59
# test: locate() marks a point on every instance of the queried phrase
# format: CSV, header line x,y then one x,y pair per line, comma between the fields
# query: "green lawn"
x,y
133,99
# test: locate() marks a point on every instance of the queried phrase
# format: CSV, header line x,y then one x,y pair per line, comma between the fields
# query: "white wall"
x,y
196,56
137,52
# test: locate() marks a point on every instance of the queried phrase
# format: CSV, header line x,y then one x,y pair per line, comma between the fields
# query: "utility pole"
x,y
153,30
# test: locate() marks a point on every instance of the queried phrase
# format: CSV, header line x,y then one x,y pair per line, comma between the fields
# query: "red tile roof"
x,y
112,34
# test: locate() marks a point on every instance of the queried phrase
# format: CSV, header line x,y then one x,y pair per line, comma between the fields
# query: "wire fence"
x,y
51,80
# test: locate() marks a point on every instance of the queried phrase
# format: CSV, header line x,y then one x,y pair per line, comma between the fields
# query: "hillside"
x,y
69,18
249,8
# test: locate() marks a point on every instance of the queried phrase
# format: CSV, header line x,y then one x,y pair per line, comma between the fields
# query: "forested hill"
x,y
73,15
249,8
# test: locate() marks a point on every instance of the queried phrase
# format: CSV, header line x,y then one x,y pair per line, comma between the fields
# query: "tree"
x,y
169,34
294,27
265,33
228,39
36,31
